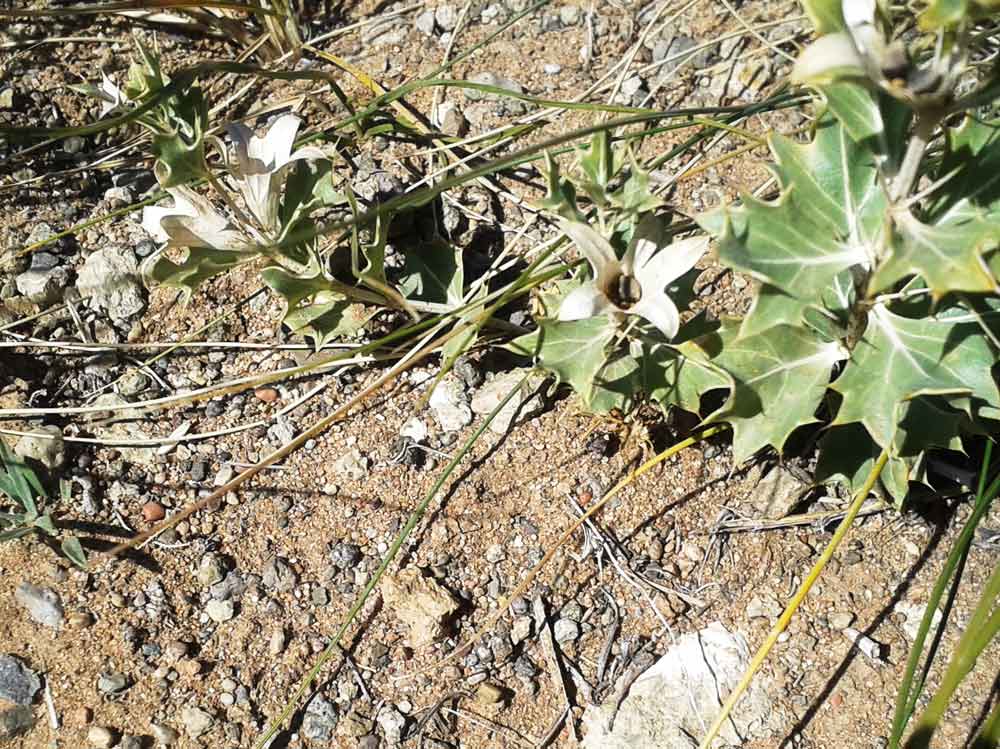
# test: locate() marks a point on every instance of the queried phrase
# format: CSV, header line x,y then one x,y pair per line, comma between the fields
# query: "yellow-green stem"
x,y
797,599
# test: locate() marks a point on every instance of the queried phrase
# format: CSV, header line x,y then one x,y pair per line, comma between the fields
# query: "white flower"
x,y
636,284
110,94
260,166
192,222
862,50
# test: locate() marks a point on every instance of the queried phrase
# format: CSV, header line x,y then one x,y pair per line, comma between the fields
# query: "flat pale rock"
x,y
420,603
679,695
522,404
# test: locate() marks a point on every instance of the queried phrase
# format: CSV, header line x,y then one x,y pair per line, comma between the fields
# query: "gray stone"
x,y
344,555
450,404
110,281
392,722
493,392
130,742
112,683
420,603
449,119
777,494
320,719
220,611
446,17
196,721
914,614
763,608
73,144
164,734
680,694
352,464
841,620
47,451
569,15
425,22
279,576
552,68
566,630
43,604
43,286
18,683
15,720
100,737
211,570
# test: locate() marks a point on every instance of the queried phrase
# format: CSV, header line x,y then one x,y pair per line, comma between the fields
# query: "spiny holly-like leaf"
x,y
948,255
780,377
574,351
856,106
927,421
180,150
847,455
952,13
314,308
74,552
970,170
561,196
432,272
200,264
899,358
827,220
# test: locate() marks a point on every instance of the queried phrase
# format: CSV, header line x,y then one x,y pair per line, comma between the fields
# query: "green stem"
x,y
910,688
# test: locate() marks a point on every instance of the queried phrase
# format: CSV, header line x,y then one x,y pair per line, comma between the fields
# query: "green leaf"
x,y
432,272
575,352
825,15
74,552
947,255
856,106
314,308
599,161
970,171
180,147
925,422
44,523
309,186
899,358
847,455
827,220
14,534
780,376
201,264
561,196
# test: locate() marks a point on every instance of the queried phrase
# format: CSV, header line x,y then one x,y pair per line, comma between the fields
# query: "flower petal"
x,y
647,238
276,145
670,263
598,251
586,301
658,308
826,56
192,222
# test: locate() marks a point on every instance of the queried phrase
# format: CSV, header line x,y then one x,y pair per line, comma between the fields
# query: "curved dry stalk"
x,y
563,538
796,601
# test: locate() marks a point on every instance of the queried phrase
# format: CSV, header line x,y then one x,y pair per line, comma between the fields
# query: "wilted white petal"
x,y
646,239
276,145
658,308
191,222
113,96
858,12
825,56
583,302
598,251
670,263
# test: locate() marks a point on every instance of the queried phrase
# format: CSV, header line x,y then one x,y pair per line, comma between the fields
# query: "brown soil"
x,y
510,491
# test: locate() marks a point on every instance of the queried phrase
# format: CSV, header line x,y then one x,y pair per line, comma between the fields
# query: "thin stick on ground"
x,y
796,601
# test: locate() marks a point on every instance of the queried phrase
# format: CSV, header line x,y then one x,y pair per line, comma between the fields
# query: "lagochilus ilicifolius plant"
x,y
875,308
613,331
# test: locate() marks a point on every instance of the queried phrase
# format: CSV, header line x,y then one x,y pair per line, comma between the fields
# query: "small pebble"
x,y
100,737
267,395
152,512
